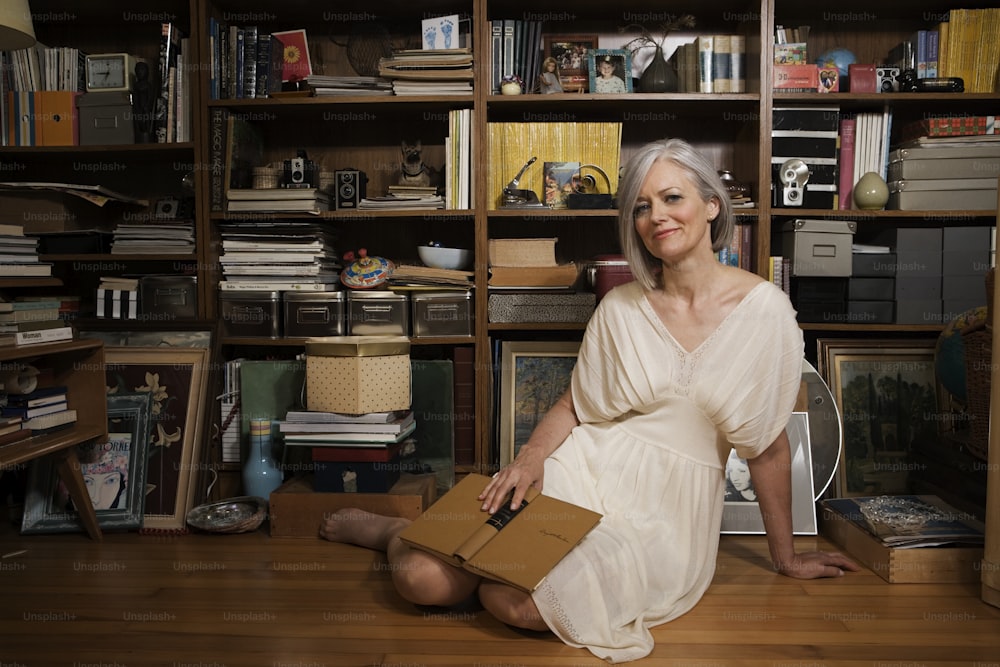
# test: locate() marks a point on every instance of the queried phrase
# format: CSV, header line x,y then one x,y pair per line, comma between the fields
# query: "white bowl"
x,y
444,258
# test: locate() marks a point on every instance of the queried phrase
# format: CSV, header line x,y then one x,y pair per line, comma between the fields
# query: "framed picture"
x,y
533,375
297,65
741,510
610,71
114,472
887,394
177,380
570,53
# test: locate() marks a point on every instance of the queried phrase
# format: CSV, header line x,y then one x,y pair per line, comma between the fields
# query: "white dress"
x,y
657,425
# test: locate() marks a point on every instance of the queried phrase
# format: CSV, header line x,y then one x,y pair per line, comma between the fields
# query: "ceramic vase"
x,y
871,192
261,475
659,76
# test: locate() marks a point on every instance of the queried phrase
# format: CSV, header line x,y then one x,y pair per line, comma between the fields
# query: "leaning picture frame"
x,y
178,380
533,375
570,53
740,509
114,472
609,71
887,392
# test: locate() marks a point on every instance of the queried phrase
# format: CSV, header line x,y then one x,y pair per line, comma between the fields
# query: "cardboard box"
x,y
358,374
819,247
796,78
936,565
296,510
862,79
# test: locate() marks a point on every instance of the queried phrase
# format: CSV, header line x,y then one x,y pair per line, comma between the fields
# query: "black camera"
x,y
300,172
888,79
351,185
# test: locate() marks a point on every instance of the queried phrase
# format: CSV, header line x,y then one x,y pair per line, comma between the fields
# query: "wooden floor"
x,y
251,600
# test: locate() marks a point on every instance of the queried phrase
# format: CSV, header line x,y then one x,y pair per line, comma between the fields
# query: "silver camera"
x,y
888,79
794,176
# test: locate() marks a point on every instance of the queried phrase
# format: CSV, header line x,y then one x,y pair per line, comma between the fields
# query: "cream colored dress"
x,y
657,425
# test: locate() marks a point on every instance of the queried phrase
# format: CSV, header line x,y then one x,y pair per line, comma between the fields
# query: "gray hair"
x,y
645,267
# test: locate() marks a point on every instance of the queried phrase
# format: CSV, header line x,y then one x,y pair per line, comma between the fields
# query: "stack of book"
x,y
25,321
411,276
278,200
402,201
329,86
40,411
351,453
429,71
118,298
278,256
19,254
520,263
164,238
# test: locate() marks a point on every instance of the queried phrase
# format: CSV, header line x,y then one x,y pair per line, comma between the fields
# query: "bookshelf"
x,y
365,133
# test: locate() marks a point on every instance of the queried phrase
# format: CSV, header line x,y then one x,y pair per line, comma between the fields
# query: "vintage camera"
x,y
794,176
300,172
350,187
887,79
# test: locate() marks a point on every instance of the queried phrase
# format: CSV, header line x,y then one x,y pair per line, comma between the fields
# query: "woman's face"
x,y
670,216
103,488
739,474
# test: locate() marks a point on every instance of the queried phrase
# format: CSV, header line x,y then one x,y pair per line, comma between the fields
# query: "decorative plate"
x,y
366,272
232,515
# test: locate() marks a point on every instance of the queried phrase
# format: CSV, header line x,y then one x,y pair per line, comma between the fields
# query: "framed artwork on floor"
x,y
887,394
741,511
114,472
533,375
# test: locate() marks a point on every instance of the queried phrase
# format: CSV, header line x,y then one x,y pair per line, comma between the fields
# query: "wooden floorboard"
x,y
250,600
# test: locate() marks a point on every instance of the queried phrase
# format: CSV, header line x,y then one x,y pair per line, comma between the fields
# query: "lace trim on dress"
x,y
562,618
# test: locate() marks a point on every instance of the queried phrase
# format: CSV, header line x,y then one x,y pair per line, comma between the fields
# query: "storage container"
x,y
356,469
819,247
607,271
169,296
377,313
256,314
314,314
532,307
441,314
358,374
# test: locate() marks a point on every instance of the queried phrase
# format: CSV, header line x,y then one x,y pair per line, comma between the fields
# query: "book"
x,y
517,547
170,44
342,417
329,439
29,315
26,270
40,396
909,521
49,423
848,127
563,275
274,194
394,427
27,412
43,336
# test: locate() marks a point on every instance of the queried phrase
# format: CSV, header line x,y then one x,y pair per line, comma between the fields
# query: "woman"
x,y
691,359
739,485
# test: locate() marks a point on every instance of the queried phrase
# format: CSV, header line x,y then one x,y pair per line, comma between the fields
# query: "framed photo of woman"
x,y
610,71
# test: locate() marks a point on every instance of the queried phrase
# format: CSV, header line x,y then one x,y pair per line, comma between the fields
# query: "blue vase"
x,y
261,475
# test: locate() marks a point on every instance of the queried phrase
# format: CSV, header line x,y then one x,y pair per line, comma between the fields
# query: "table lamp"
x,y
16,30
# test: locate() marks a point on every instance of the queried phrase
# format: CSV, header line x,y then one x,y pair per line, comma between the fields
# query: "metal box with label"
x,y
377,313
819,247
441,314
106,118
251,313
314,314
169,296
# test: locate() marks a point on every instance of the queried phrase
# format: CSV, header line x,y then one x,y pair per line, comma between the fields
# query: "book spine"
x,y
496,26
737,64
169,44
705,49
43,336
721,54
932,54
848,128
217,167
263,64
239,50
250,61
508,48
463,358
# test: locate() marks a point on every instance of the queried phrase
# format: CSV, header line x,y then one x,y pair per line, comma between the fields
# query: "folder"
x,y
42,118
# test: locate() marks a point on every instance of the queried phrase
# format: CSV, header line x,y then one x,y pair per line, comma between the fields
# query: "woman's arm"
x,y
772,478
529,464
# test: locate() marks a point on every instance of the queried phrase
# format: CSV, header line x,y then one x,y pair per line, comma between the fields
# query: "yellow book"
x,y
943,31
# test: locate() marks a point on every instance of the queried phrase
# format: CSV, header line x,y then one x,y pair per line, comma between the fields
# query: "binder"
x,y
42,118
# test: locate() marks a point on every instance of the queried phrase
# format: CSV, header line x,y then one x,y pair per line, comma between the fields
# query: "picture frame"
x,y
570,52
297,63
617,79
114,472
533,375
741,512
897,376
178,380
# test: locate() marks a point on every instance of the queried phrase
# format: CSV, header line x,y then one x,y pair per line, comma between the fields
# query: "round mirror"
x,y
825,433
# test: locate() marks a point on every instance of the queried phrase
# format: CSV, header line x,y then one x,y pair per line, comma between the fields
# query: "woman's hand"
x,y
526,470
816,565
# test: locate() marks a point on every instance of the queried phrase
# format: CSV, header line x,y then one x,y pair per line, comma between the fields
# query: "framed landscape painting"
x,y
534,374
888,399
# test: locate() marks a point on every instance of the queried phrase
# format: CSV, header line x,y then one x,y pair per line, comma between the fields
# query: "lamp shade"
x,y
16,31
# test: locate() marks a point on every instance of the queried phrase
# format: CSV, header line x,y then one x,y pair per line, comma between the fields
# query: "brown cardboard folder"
x,y
519,550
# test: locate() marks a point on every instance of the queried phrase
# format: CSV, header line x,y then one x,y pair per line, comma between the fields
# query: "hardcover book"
x,y
517,547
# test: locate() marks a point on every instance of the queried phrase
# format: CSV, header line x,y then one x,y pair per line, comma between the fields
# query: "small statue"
x,y
548,80
412,170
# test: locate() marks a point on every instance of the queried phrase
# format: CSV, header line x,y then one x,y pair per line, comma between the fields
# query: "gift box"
x,y
118,304
358,374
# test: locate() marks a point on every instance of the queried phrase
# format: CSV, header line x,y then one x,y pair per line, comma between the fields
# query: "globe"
x,y
949,352
839,58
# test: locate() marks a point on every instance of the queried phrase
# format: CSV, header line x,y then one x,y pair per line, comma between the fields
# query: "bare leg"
x,y
510,605
418,576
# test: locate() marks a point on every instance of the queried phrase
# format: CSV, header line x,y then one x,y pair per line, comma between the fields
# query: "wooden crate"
x,y
297,510
946,564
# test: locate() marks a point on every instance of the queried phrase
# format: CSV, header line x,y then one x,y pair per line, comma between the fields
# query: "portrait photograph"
x,y
570,55
610,71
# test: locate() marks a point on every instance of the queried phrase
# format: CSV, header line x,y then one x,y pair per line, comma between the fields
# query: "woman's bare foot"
x,y
356,526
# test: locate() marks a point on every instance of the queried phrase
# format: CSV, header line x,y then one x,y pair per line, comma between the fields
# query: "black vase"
x,y
659,76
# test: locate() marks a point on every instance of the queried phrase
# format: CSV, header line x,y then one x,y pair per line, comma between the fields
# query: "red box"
x,y
862,79
796,78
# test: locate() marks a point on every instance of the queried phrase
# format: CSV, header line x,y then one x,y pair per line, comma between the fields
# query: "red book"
x,y
845,189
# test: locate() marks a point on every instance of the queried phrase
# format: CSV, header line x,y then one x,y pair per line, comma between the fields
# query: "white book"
x,y
54,420
706,47
277,286
351,439
337,429
43,336
343,417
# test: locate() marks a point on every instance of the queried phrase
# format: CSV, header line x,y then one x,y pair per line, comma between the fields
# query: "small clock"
x,y
110,72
